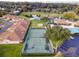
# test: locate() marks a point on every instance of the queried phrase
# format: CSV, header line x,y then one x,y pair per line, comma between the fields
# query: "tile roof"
x,y
17,31
76,24
62,22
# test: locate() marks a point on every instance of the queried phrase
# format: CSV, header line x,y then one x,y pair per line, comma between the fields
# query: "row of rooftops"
x,y
16,32
67,22
60,21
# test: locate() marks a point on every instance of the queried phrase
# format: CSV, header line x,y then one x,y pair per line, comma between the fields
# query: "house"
x,y
62,22
16,32
76,24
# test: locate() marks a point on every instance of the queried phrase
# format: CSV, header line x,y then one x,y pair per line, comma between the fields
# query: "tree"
x,y
57,35
0,28
69,15
0,14
77,10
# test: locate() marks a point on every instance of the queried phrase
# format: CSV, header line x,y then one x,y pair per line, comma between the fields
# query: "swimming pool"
x,y
36,43
74,30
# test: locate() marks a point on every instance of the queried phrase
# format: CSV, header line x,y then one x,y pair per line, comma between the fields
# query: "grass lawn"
x,y
36,22
10,50
42,14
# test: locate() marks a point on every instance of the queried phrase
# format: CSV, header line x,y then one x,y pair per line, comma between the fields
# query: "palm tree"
x,y
57,35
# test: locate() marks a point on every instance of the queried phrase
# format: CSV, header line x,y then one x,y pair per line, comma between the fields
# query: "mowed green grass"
x,y
35,23
10,50
42,14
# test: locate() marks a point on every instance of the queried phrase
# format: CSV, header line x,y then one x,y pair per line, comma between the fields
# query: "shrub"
x,y
69,15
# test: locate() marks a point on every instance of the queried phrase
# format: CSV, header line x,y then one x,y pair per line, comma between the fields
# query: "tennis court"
x,y
36,43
